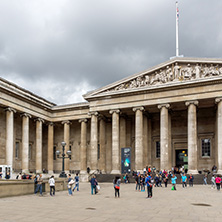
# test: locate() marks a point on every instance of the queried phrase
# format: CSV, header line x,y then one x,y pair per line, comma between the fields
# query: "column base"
x,y
84,176
50,172
192,171
219,172
115,172
25,171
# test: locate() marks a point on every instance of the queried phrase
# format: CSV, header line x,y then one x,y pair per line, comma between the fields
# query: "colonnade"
x,y
141,129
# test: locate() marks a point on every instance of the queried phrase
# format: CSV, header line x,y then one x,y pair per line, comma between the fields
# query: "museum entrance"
x,y
181,158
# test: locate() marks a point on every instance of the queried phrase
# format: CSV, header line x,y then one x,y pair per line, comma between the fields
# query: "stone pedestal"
x,y
164,137
192,136
115,142
139,138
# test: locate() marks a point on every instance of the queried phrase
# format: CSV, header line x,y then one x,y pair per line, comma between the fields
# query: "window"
x,y
157,149
17,150
98,154
54,152
30,151
206,144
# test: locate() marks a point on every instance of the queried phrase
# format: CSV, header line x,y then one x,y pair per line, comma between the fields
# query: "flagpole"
x,y
177,27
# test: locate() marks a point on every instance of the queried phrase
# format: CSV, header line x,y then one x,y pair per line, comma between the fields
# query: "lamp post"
x,y
63,156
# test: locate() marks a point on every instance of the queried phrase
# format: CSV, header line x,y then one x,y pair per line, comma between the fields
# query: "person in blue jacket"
x,y
149,186
93,182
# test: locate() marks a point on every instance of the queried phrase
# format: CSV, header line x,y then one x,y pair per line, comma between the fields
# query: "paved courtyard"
x,y
166,205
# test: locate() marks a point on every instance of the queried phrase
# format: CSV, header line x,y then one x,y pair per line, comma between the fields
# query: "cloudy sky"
x,y
60,49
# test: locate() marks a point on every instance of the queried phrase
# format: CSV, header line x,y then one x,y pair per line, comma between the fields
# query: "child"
x,y
173,181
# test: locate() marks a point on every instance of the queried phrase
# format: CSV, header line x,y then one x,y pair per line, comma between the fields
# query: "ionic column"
x,y
83,146
66,140
25,142
219,134
94,140
102,142
9,135
139,138
50,147
164,137
115,141
192,136
38,160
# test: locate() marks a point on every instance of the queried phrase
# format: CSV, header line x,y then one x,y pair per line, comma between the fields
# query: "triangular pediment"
x,y
176,71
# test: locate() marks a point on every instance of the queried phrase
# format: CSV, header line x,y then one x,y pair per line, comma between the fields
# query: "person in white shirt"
x,y
52,185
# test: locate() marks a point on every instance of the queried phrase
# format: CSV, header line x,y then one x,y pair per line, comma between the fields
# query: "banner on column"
x,y
125,160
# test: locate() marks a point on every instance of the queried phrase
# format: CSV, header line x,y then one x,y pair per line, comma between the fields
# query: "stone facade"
x,y
171,107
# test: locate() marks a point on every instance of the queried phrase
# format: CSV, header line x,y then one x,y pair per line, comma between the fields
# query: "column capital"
x,y
117,111
26,115
50,124
194,102
217,100
166,105
66,122
94,113
9,109
141,108
83,120
39,120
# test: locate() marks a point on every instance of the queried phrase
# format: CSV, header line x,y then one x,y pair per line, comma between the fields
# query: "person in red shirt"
x,y
218,182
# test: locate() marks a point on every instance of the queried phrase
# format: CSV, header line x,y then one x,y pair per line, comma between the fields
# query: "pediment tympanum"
x,y
175,71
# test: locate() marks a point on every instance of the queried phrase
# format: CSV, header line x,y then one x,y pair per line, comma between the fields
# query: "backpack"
x,y
35,180
17,177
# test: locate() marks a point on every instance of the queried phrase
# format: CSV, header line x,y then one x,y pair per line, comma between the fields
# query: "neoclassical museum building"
x,y
169,115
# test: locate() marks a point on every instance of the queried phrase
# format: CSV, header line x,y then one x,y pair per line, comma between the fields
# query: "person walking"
x,y
52,185
93,183
173,181
213,182
39,181
149,186
76,182
70,183
205,179
116,183
184,180
157,180
137,179
218,182
191,178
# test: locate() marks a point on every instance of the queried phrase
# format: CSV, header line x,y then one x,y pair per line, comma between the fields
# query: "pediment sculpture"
x,y
172,73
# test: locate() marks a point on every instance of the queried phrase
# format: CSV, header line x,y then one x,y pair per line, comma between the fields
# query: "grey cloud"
x,y
93,43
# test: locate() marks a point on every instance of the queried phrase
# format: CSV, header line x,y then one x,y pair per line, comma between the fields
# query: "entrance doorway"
x,y
182,158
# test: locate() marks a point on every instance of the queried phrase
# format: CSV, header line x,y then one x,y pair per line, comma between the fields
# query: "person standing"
x,y
52,185
184,180
70,183
116,183
191,178
165,179
149,186
93,183
213,182
173,182
39,181
205,179
76,183
218,182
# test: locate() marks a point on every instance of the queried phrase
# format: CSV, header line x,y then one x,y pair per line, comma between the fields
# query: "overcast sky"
x,y
60,49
